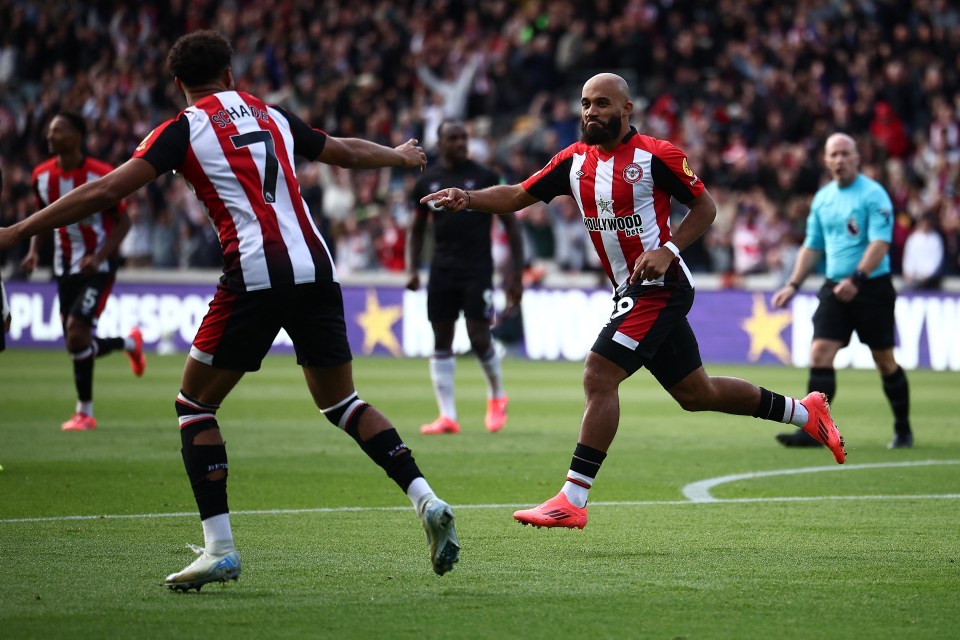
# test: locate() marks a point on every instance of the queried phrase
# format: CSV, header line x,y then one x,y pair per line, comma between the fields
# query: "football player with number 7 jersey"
x,y
237,154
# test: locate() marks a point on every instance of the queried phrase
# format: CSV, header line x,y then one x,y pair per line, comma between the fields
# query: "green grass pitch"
x,y
331,548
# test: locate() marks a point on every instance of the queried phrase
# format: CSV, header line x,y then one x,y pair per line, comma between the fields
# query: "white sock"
x,y
129,344
494,373
86,408
574,490
443,366
420,493
217,537
794,412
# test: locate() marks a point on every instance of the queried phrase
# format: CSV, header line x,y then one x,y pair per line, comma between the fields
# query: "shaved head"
x,y
609,84
605,109
842,158
840,139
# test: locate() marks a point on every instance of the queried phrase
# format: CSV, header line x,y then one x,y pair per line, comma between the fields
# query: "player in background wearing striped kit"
x,y
84,261
237,154
622,182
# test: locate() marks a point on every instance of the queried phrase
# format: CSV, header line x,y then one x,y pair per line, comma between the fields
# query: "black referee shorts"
x,y
870,314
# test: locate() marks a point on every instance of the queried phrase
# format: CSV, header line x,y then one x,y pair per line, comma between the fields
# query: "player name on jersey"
x,y
224,117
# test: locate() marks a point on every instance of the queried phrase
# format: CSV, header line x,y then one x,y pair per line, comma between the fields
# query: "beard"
x,y
608,131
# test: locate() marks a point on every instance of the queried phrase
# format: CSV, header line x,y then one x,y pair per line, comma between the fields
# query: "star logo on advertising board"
x,y
764,328
377,324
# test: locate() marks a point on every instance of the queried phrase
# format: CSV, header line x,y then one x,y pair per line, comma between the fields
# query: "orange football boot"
x,y
821,426
79,422
555,512
443,424
496,414
138,362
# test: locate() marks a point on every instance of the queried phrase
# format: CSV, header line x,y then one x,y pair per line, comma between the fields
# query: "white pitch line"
x,y
700,491
696,493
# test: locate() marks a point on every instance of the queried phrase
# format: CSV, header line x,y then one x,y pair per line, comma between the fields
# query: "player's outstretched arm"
x,y
501,199
81,202
353,153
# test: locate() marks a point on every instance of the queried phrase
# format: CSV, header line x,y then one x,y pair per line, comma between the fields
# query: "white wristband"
x,y
669,245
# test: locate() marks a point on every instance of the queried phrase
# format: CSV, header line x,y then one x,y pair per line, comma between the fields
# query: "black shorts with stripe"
x,y
240,327
870,314
450,291
649,328
84,297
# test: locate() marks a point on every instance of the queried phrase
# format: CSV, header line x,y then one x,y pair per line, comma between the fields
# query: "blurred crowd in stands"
x,y
748,88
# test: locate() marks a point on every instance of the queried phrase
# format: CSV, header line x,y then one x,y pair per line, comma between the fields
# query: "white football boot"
x,y
437,518
206,568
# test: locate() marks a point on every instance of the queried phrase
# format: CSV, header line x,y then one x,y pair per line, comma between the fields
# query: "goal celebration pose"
x,y
237,153
622,182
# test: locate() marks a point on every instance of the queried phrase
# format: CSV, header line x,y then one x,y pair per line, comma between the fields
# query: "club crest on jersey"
x,y
686,168
633,173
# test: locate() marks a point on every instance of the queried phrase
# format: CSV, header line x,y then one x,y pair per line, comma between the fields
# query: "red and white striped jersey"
x,y
79,239
624,196
237,154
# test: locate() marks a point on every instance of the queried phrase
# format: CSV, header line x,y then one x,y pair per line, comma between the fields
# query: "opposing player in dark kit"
x,y
461,278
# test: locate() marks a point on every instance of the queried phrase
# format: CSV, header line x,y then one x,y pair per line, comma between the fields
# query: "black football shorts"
x,y
449,292
240,328
83,297
870,314
649,328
